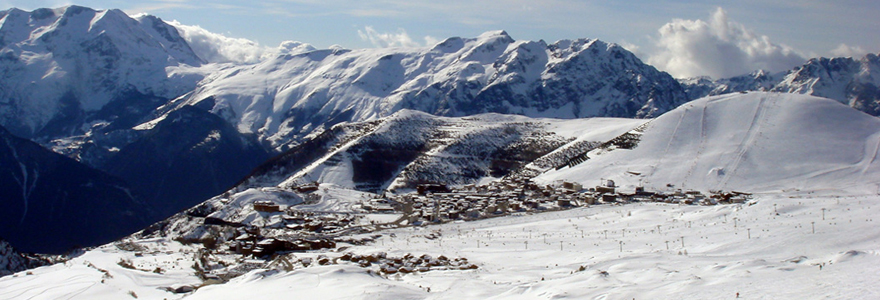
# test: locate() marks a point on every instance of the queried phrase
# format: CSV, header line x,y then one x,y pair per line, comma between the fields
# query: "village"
x,y
434,203
437,203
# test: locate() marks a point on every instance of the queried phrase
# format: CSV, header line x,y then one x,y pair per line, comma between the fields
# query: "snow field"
x,y
746,142
97,274
713,252
708,256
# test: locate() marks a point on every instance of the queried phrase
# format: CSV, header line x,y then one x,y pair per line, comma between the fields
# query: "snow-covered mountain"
x,y
754,142
290,96
699,87
62,69
79,80
52,203
851,81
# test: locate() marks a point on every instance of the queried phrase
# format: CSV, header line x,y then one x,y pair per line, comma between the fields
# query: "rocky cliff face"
x,y
10,260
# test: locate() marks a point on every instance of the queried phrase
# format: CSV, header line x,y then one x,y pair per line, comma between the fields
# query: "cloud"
x,y
635,49
430,40
218,48
845,50
388,39
718,48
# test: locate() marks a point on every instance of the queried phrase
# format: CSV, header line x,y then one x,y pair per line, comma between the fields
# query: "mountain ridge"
x,y
851,81
290,96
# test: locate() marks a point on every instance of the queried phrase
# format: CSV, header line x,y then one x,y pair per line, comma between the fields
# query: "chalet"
x,y
503,206
738,199
640,191
609,197
308,188
266,206
377,207
289,219
694,196
532,204
563,202
607,188
267,247
245,247
572,186
424,189
589,200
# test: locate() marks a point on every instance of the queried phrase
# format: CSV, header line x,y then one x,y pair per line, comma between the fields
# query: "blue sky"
x,y
655,30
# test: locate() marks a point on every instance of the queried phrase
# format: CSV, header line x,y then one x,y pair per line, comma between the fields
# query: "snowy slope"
x,y
411,147
60,67
286,98
749,142
771,248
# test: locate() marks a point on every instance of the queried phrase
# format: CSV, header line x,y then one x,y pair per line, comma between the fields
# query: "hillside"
x,y
52,203
411,148
756,142
184,158
288,97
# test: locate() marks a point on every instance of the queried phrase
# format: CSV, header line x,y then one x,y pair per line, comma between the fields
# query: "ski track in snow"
x,y
747,142
668,145
873,152
696,159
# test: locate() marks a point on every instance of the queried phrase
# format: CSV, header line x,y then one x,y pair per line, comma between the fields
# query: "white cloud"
x,y
218,48
294,47
718,48
430,40
635,49
388,39
845,50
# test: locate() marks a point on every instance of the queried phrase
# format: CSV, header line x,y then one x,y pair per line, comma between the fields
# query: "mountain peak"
x,y
494,33
110,53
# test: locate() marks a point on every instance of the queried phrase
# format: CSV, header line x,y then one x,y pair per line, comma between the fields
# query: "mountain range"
x,y
128,97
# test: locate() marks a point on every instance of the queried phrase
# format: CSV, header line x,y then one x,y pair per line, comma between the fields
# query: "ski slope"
x,y
754,142
770,248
